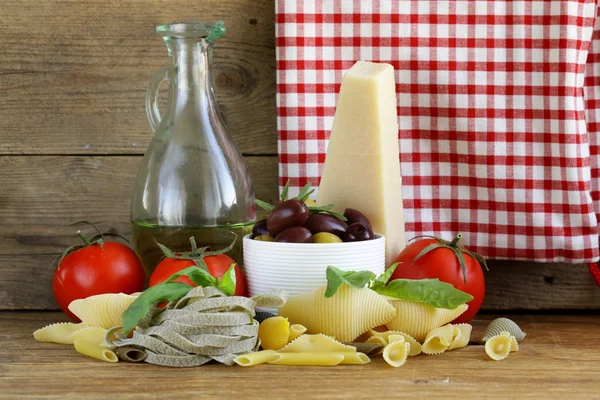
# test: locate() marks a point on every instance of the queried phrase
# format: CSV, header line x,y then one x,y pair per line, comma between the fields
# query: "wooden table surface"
x,y
559,358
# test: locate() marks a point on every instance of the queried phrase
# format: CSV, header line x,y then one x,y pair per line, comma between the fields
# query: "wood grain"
x,y
26,284
558,359
47,193
74,73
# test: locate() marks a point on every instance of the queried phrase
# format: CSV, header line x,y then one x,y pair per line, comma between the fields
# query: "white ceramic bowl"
x,y
300,267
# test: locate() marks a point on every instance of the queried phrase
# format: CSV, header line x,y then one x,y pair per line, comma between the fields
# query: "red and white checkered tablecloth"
x,y
491,109
592,105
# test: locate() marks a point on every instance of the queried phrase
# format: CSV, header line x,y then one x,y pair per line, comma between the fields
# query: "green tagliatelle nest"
x,y
204,325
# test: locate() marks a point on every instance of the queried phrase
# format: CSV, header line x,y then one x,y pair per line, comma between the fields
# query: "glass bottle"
x,y
193,180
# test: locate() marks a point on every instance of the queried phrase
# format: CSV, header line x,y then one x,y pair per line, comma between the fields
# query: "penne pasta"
x,y
316,359
256,358
92,335
95,351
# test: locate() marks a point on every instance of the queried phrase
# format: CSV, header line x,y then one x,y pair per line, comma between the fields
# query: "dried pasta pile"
x,y
204,325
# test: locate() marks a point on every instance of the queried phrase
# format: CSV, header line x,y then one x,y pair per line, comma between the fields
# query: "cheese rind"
x,y
362,166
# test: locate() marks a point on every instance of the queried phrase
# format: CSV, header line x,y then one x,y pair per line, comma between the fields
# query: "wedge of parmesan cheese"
x,y
362,166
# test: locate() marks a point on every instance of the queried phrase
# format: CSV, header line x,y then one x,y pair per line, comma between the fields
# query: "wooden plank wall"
x,y
73,77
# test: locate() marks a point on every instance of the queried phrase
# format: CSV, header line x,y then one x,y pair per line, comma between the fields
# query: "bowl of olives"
x,y
292,247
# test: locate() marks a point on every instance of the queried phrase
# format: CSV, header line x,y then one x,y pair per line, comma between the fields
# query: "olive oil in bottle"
x,y
193,180
146,238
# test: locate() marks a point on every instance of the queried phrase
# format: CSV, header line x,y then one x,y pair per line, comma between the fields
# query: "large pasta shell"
x,y
102,310
503,325
418,319
345,315
274,333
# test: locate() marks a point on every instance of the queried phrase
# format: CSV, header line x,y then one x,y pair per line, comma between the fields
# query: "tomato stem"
x,y
454,242
84,237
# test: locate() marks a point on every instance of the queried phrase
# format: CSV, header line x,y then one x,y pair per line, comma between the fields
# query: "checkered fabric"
x,y
592,107
493,139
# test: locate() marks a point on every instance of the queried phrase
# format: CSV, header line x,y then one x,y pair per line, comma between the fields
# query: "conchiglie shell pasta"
x,y
498,347
418,319
274,333
103,310
345,315
503,325
438,340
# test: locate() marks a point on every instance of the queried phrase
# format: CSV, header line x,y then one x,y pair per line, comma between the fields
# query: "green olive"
x,y
325,237
310,202
265,238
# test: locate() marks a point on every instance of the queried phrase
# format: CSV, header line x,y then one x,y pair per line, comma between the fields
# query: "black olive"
x,y
358,232
295,234
286,214
354,215
260,228
325,223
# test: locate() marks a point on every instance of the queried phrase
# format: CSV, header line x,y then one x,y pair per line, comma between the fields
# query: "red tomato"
x,y
93,270
442,263
217,266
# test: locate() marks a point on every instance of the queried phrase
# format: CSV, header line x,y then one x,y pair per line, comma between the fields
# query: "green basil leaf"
x,y
430,291
383,278
197,275
156,294
356,279
227,284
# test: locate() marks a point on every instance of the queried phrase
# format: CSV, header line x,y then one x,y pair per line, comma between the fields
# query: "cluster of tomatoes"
x,y
100,267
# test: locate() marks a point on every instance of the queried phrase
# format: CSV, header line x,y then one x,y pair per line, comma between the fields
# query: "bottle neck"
x,y
191,83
